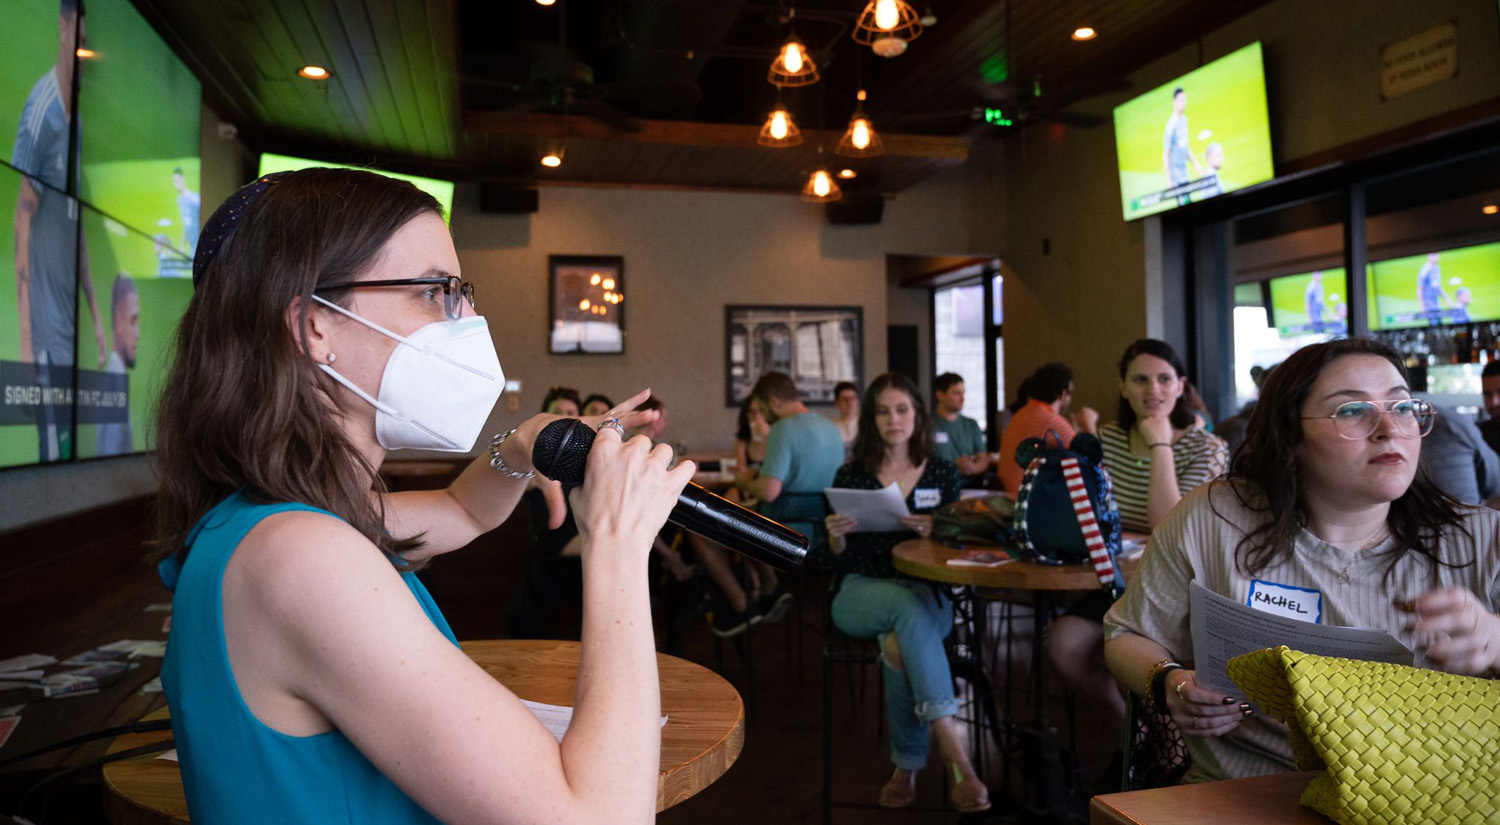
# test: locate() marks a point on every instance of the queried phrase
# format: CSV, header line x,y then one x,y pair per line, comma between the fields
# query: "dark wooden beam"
x,y
683,133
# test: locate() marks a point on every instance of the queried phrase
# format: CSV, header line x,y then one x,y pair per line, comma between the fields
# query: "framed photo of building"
x,y
586,300
817,346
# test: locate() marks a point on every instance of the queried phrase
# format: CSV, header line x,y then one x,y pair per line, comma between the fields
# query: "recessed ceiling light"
x,y
314,72
552,160
85,54
1084,33
545,2
1490,208
847,174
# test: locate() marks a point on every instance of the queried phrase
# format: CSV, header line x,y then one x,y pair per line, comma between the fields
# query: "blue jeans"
x,y
921,617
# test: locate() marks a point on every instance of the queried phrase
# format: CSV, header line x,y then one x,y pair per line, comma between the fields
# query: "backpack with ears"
x,y
1065,509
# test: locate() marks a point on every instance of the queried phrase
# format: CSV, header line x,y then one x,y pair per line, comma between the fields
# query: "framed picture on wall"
x,y
586,296
817,346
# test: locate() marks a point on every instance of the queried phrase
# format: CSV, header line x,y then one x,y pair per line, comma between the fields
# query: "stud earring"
x,y
332,358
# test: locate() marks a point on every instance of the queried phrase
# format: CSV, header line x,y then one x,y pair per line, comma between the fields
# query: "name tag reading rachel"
x,y
1284,600
927,497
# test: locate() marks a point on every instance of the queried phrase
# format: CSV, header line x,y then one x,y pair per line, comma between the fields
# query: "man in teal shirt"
x,y
956,438
803,452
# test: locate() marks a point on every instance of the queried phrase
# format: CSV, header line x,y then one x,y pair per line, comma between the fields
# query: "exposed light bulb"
x,y
594,281
822,184
608,284
552,159
778,124
887,15
847,174
584,304
792,58
861,134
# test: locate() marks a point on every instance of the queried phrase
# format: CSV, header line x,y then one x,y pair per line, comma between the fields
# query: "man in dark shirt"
x,y
1489,382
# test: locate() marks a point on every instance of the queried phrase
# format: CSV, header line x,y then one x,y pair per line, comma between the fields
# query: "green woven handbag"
x,y
1395,744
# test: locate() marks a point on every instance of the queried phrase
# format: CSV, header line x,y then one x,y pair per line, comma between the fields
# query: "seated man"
x,y
803,453
1458,460
1049,391
1489,382
955,437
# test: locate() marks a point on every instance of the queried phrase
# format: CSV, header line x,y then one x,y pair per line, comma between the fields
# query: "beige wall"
x,y
687,255
1087,298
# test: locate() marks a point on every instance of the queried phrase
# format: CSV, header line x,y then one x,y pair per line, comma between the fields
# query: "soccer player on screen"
x,y
188,204
1213,159
125,310
46,227
1175,152
1313,301
1430,289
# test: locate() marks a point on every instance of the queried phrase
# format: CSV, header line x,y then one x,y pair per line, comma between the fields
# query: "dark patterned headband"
x,y
222,223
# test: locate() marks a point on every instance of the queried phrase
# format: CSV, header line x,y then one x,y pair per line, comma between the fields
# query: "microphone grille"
x,y
561,450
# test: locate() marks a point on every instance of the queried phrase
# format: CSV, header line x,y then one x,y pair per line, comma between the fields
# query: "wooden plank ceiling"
x,y
646,92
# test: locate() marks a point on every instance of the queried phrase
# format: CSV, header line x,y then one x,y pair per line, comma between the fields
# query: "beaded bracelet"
x,y
498,463
1156,683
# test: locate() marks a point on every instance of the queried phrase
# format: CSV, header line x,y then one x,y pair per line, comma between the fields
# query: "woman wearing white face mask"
x,y
310,676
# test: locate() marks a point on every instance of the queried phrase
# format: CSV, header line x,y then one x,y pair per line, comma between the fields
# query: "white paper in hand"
x,y
877,511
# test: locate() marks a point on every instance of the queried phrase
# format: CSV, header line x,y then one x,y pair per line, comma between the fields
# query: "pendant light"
x,y
887,26
793,66
779,130
860,139
821,186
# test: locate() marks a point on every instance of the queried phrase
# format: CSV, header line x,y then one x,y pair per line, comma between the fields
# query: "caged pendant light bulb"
x,y
779,130
860,140
793,66
821,188
887,26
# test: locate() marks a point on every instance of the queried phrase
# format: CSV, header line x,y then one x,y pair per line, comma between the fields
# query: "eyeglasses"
x,y
1358,419
452,289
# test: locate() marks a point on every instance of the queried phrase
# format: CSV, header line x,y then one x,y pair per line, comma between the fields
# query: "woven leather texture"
x,y
1395,744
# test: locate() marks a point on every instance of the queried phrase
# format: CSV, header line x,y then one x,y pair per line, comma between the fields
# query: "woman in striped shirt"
x,y
1155,454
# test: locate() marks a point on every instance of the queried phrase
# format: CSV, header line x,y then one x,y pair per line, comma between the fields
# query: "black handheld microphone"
x,y
561,453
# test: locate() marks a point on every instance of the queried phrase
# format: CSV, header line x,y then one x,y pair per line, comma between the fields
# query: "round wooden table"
x,y
928,559
704,733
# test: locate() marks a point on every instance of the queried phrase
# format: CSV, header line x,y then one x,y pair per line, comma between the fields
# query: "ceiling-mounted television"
x,y
1449,286
1311,303
1201,135
442,190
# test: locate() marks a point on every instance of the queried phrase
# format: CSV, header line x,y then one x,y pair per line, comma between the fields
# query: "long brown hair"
x,y
1266,475
245,408
868,450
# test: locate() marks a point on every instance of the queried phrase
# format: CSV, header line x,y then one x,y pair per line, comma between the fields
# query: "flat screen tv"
x,y
440,189
1311,303
1448,286
139,109
1203,134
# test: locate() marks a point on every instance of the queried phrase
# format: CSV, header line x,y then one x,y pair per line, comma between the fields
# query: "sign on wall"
x,y
1419,61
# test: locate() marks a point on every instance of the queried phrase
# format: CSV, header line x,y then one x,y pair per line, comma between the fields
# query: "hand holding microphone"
x,y
561,452
624,503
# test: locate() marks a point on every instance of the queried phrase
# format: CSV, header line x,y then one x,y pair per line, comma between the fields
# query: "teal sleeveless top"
x,y
235,769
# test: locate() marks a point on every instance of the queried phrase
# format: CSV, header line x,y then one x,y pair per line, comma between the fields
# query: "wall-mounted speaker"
x,y
856,210
499,199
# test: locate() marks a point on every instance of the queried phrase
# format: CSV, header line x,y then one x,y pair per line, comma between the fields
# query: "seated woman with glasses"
x,y
909,618
1327,496
310,676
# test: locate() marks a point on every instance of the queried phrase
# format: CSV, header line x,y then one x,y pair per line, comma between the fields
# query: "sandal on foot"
x,y
969,795
899,791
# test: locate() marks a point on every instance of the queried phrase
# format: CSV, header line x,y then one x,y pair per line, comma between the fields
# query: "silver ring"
x,y
613,424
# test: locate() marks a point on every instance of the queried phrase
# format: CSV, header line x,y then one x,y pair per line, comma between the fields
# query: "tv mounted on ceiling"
x,y
1199,136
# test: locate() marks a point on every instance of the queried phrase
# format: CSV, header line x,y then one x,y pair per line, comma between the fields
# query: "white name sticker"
x,y
940,437
1284,600
927,497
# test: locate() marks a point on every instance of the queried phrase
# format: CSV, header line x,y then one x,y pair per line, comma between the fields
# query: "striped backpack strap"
x,y
1088,522
1023,496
